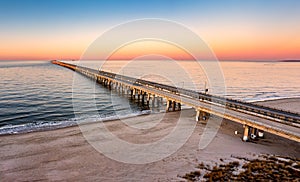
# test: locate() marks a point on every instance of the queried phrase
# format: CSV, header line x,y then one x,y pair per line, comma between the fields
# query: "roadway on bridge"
x,y
277,128
281,128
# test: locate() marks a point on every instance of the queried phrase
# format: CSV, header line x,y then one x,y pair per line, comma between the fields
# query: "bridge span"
x,y
255,118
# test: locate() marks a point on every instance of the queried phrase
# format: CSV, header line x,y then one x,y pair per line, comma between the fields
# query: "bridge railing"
x,y
280,115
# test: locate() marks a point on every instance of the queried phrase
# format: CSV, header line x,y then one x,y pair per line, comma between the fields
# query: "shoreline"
x,y
270,103
65,154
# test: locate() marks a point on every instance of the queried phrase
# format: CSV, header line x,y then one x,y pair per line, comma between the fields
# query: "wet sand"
x,y
65,154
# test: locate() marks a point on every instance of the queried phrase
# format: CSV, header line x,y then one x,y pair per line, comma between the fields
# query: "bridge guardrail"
x,y
283,115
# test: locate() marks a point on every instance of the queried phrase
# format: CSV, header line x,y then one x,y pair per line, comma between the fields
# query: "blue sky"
x,y
24,20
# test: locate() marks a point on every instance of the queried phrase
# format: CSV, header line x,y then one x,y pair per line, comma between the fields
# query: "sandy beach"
x,y
64,154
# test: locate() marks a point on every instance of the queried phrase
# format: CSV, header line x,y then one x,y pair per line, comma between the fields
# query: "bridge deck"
x,y
277,128
274,125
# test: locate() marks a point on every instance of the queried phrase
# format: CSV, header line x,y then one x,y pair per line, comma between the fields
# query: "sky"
x,y
233,29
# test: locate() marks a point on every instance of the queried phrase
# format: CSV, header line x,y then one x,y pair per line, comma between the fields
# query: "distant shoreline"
x,y
289,61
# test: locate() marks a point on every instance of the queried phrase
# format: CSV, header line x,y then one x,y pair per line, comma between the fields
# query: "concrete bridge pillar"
x,y
143,97
153,101
179,106
125,89
120,88
148,98
108,83
131,93
197,115
246,133
205,115
129,90
260,133
168,105
173,105
201,115
134,93
139,95
253,133
157,101
116,85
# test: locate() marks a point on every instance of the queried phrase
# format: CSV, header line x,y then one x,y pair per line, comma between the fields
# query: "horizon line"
x,y
232,60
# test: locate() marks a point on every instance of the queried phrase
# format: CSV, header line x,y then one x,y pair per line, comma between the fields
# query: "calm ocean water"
x,y
36,95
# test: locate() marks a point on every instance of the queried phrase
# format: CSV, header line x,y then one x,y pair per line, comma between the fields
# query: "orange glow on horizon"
x,y
225,46
150,47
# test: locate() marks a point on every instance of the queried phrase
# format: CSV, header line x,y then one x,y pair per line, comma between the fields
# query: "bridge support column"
x,y
148,98
133,93
173,105
143,97
253,133
157,101
204,115
260,133
168,105
197,115
139,95
201,115
153,101
246,133
127,90
109,84
123,89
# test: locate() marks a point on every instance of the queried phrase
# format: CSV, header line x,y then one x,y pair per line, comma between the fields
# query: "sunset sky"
x,y
235,30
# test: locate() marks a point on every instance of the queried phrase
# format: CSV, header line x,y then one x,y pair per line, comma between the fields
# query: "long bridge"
x,y
255,118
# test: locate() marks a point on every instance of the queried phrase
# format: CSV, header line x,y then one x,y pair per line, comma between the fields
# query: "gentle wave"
x,y
52,125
